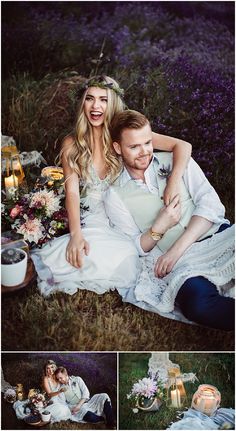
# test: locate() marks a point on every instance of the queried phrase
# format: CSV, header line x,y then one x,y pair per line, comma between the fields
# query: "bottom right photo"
x,y
165,391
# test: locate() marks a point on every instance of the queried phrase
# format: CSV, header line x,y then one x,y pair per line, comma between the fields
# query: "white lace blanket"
x,y
212,258
194,420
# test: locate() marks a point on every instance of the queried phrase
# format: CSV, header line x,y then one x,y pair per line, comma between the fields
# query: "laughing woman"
x,y
94,256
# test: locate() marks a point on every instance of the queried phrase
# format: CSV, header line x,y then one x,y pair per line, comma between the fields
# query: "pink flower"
x,y
15,211
32,230
45,199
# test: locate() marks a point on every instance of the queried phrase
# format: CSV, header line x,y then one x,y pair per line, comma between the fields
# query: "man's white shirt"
x,y
207,202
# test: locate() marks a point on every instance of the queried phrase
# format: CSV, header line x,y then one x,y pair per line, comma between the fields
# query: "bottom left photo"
x,y
70,391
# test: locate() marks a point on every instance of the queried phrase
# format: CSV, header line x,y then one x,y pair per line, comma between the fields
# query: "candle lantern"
x,y
20,393
176,394
206,399
12,170
54,173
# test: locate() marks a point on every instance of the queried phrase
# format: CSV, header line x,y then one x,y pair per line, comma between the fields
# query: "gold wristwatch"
x,y
155,235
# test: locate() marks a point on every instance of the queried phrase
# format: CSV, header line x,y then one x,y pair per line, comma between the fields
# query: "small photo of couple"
x,y
59,391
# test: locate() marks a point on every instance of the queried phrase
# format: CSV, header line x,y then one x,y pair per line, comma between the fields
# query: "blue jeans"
x,y
200,301
93,418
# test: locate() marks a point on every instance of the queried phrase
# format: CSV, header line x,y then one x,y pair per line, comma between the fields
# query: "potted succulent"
x,y
46,416
13,266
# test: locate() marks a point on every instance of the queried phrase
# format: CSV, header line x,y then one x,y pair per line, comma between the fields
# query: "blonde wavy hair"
x,y
79,156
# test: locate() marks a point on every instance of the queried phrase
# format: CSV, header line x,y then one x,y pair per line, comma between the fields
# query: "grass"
x,y
87,321
98,371
212,368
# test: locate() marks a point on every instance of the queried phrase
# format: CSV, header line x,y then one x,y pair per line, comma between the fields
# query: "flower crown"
x,y
105,85
99,81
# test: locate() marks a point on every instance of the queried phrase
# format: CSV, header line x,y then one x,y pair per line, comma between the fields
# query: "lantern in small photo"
x,y
176,394
20,393
206,399
12,170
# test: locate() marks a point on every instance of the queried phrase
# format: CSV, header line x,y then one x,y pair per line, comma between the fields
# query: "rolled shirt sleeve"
x,y
83,388
206,200
121,219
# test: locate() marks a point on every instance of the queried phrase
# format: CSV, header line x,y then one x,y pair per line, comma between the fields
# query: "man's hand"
x,y
165,263
75,410
168,216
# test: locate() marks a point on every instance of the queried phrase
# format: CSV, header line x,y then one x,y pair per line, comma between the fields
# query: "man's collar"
x,y
125,176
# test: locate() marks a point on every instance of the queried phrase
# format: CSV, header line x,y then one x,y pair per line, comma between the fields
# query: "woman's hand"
x,y
172,189
76,249
62,390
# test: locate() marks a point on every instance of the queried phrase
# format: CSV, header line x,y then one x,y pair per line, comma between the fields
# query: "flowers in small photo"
x,y
135,410
145,391
10,395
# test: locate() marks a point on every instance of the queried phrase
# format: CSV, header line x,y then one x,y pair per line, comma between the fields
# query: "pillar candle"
x,y
175,398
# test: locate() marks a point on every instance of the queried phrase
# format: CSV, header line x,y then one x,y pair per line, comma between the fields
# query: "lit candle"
x,y
209,402
20,396
11,183
175,398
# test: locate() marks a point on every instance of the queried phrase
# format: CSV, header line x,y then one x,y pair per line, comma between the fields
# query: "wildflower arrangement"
x,y
37,401
145,391
38,216
10,395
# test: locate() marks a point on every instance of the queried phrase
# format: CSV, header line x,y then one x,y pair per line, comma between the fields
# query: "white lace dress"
x,y
59,408
112,261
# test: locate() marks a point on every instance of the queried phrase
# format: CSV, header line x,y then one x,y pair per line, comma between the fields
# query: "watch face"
x,y
156,236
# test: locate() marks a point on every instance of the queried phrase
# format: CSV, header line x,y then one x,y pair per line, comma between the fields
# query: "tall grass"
x,y
87,321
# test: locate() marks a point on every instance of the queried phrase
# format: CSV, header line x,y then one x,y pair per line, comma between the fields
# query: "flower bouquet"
x,y
147,394
35,406
10,395
38,216
37,401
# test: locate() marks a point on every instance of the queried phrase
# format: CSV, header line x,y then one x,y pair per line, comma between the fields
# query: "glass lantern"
x,y
12,171
206,399
54,173
176,394
20,393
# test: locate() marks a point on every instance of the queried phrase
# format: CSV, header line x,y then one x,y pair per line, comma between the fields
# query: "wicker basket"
x,y
149,404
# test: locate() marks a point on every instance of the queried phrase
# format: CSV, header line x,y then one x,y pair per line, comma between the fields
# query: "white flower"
x,y
146,387
46,199
32,230
135,410
10,391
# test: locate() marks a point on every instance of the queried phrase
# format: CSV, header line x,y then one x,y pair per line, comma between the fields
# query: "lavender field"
x,y
174,59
